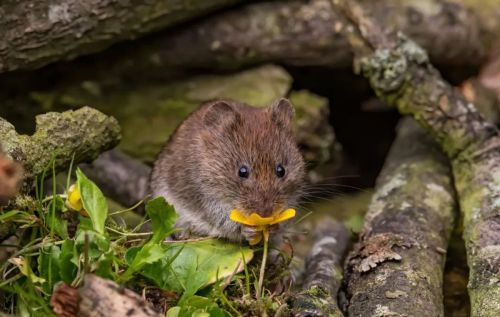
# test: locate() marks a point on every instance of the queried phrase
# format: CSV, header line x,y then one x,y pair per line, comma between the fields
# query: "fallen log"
x,y
99,297
35,33
79,135
400,73
323,271
397,265
300,33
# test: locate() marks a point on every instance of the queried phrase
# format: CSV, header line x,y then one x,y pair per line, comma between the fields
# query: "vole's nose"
x,y
263,208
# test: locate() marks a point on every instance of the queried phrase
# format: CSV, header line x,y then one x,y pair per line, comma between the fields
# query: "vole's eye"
x,y
243,172
280,171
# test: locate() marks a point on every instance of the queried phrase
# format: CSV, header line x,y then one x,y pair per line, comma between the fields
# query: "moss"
x,y
84,134
149,113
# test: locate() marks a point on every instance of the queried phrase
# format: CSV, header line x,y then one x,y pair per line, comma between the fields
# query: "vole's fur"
x,y
197,170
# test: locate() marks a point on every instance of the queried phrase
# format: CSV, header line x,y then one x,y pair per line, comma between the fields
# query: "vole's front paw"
x,y
250,233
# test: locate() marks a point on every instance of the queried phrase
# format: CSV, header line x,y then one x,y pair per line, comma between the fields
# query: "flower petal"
x,y
237,216
74,198
284,215
257,220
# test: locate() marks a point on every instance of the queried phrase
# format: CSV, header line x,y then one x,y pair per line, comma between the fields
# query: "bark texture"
x,y
104,298
120,177
323,273
35,33
400,72
82,134
305,33
396,269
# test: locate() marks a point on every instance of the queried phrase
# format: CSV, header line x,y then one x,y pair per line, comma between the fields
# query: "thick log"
x,y
401,74
323,272
397,266
301,33
79,135
35,33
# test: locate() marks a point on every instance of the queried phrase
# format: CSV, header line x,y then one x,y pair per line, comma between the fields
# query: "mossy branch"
x,y
323,272
35,33
80,135
401,74
406,232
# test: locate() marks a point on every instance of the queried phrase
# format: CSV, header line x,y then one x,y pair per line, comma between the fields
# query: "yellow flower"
x,y
260,223
74,200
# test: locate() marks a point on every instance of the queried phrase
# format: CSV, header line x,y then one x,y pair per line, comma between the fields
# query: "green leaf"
x,y
48,267
59,224
163,218
196,264
139,256
197,306
67,267
93,201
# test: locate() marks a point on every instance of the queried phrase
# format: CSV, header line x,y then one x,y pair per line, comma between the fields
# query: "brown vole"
x,y
228,155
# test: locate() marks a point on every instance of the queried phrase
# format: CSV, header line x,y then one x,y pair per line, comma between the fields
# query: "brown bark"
x,y
99,297
35,33
323,272
104,298
400,73
303,33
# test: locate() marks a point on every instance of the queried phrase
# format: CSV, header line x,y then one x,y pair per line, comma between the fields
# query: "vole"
x,y
228,155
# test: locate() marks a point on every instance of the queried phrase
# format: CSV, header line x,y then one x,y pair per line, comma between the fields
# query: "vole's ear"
x,y
220,113
282,112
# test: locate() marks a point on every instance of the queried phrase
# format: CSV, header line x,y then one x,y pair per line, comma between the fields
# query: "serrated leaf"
x,y
140,256
163,218
197,306
196,265
93,201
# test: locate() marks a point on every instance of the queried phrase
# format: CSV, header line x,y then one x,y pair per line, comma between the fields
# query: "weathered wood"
x,y
79,135
397,266
323,272
401,74
104,298
299,33
35,33
99,297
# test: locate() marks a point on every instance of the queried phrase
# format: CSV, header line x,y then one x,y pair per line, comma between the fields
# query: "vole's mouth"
x,y
256,220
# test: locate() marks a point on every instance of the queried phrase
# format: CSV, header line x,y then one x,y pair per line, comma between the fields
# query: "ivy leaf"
x,y
93,201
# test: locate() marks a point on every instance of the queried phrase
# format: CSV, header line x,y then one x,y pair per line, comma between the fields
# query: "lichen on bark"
x,y
401,74
79,135
397,266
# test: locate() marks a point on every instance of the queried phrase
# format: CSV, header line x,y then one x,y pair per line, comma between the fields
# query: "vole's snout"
x,y
263,207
